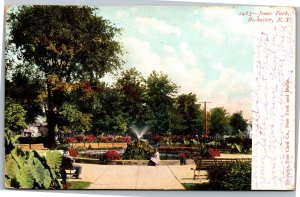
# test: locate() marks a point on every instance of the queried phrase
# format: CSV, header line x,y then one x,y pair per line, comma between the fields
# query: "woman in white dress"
x,y
154,161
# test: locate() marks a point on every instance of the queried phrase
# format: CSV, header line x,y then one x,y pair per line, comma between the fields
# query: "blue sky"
x,y
204,50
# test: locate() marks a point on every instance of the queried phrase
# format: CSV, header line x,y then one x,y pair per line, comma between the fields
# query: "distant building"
x,y
38,128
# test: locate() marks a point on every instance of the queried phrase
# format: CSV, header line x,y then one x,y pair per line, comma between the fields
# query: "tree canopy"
x,y
14,116
218,121
70,47
55,58
238,123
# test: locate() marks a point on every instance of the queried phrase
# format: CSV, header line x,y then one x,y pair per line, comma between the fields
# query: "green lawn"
x,y
79,184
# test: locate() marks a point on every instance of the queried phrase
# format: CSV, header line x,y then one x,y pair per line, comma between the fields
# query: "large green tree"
x,y
73,119
218,121
108,115
160,97
69,46
132,87
25,90
14,116
192,117
238,123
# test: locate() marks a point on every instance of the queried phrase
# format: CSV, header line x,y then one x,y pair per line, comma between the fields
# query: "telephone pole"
x,y
206,124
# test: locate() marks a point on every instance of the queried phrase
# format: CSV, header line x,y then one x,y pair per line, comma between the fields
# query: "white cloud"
x,y
187,55
179,65
213,33
220,20
149,24
122,14
197,25
141,56
232,89
230,20
168,49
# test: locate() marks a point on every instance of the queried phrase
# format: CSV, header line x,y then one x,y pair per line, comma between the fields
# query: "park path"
x,y
135,177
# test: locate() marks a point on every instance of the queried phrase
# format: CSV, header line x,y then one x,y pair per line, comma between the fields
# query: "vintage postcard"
x,y
150,97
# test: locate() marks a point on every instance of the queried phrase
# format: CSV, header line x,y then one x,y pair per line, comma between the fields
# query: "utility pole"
x,y
206,124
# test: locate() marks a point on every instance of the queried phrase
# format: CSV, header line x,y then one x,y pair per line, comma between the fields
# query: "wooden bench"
x,y
204,164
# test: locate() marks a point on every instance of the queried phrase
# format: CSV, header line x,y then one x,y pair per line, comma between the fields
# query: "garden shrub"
x,y
112,155
73,152
238,177
80,138
216,175
203,151
31,140
138,149
63,146
80,148
69,140
230,176
89,138
168,157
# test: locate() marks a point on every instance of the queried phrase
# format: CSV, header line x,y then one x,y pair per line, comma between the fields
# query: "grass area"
x,y
79,184
196,186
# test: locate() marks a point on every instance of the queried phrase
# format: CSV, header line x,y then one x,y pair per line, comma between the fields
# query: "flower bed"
x,y
99,139
99,145
104,156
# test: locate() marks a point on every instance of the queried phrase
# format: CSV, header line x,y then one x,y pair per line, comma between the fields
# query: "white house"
x,y
38,128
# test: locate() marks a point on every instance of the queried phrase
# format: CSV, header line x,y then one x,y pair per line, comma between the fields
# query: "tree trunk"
x,y
51,120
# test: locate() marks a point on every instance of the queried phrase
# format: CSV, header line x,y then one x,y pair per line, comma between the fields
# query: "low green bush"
x,y
62,146
216,175
238,177
230,176
31,140
138,150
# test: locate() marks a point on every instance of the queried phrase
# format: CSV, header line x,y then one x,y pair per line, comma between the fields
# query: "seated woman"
x,y
154,161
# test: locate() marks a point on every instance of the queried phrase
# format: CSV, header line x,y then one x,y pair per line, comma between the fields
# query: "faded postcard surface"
x,y
150,98
274,99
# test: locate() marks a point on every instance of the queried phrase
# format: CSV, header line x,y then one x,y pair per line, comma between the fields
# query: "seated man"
x,y
66,156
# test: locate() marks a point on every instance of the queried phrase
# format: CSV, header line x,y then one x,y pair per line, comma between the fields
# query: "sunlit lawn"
x,y
79,184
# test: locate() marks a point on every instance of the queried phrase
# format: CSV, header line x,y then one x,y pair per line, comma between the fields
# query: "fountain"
x,y
138,148
139,133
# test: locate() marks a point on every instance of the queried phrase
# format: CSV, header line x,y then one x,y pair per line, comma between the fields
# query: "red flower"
x,y
80,138
112,155
213,152
103,139
109,138
69,140
89,138
73,152
127,139
182,156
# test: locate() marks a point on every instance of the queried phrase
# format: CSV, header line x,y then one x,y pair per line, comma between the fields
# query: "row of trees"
x,y
131,100
54,60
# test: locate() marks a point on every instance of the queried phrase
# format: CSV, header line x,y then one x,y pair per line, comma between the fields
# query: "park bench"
x,y
204,164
